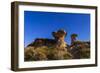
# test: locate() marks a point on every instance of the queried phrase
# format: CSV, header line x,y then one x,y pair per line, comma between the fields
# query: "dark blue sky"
x,y
42,24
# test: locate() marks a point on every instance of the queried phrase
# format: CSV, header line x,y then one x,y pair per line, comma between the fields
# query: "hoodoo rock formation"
x,y
56,48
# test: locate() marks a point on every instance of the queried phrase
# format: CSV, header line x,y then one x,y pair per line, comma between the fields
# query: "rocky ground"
x,y
79,50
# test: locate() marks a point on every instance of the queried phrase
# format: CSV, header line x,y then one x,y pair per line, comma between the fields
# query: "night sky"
x,y
42,24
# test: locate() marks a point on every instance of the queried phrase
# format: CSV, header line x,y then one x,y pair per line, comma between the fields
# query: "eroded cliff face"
x,y
48,49
56,48
80,49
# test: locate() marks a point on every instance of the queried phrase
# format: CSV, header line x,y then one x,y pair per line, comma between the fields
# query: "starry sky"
x,y
39,24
